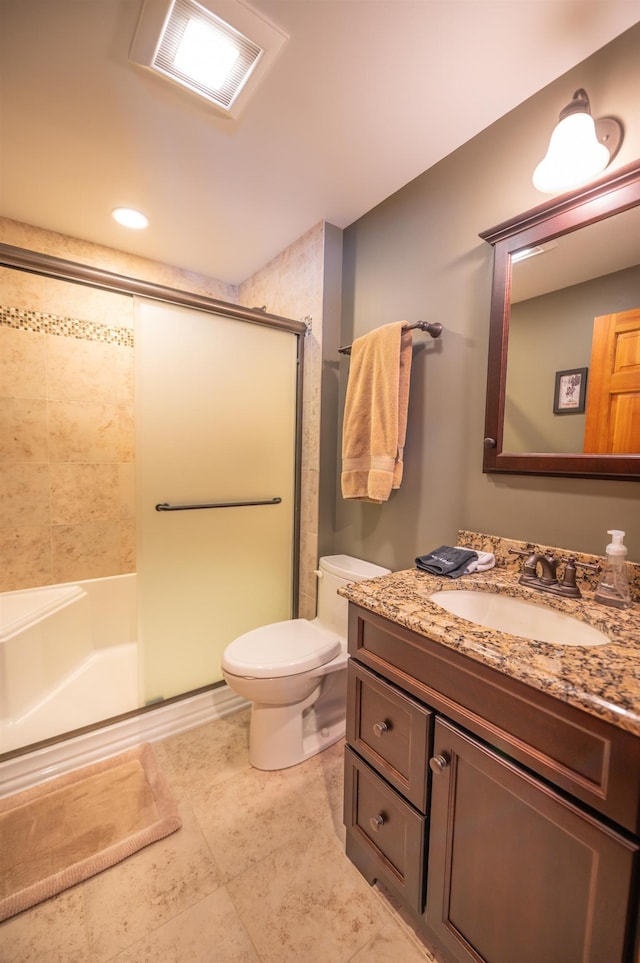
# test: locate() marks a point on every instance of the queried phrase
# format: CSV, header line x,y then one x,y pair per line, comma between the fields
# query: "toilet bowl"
x,y
295,673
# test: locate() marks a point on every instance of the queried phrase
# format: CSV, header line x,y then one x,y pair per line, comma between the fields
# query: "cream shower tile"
x,y
125,374
246,818
25,495
311,437
309,507
209,930
25,557
309,555
306,901
89,550
87,303
126,433
84,432
21,235
23,430
209,754
22,363
54,930
127,545
79,370
119,311
149,889
20,289
84,493
127,490
306,607
308,580
313,369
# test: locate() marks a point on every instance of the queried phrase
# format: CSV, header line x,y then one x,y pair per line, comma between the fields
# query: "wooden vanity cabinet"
x,y
493,862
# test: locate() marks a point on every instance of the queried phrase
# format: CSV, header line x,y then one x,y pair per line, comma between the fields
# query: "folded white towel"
x,y
482,563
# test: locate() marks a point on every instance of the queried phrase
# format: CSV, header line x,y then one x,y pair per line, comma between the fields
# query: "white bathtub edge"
x,y
35,767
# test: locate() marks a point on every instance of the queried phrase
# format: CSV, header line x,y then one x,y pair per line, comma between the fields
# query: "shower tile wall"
x,y
66,432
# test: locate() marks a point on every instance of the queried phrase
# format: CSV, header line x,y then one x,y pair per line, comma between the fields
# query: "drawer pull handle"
x,y
379,728
377,822
438,764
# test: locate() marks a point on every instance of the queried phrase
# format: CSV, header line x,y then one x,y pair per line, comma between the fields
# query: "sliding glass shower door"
x,y
215,425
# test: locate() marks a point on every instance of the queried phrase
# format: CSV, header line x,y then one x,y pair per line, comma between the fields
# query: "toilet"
x,y
295,672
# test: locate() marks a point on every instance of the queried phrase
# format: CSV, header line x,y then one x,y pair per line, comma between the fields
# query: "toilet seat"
x,y
281,649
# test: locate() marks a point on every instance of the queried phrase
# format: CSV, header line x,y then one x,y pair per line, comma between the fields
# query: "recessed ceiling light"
x,y
212,48
127,217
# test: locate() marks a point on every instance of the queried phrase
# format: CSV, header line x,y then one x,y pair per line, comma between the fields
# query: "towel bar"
x,y
434,329
166,507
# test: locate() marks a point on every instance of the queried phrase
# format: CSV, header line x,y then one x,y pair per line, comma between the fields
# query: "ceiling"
x,y
593,251
365,95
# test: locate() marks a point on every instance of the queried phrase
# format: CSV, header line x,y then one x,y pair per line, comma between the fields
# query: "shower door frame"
x,y
62,269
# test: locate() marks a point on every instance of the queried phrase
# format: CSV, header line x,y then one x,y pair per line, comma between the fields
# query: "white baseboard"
x,y
32,768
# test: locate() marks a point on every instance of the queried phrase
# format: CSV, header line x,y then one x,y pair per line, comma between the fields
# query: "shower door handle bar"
x,y
166,507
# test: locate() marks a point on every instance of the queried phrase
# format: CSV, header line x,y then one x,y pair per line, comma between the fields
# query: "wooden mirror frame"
x,y
607,196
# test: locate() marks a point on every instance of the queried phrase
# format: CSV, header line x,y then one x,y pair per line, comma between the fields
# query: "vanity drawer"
x,y
385,834
586,756
391,731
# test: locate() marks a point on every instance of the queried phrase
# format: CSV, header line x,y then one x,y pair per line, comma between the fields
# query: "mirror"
x,y
565,304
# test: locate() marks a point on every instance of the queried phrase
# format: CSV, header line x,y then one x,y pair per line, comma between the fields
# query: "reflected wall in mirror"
x,y
556,295
566,296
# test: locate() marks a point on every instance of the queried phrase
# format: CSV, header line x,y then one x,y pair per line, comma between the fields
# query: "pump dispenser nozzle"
x,y
615,546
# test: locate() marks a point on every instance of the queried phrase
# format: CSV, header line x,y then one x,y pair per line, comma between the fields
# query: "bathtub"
x,y
67,657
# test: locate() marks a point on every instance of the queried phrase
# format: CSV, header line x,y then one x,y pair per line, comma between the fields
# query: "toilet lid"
x,y
280,649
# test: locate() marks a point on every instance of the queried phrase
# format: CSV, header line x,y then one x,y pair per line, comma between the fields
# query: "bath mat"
x,y
72,827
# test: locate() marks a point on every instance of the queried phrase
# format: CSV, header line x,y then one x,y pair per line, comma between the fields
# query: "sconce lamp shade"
x,y
576,152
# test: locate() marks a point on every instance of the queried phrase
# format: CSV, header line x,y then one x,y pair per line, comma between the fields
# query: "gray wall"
x,y
552,333
329,463
417,256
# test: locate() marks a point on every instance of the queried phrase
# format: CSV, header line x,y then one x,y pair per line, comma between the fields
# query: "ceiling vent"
x,y
218,49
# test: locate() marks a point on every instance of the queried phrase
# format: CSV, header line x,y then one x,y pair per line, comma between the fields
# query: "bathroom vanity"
x,y
492,783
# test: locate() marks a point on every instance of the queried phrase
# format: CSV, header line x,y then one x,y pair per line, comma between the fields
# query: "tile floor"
x,y
257,874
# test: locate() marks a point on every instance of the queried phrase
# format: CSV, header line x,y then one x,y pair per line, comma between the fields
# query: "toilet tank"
x,y
334,571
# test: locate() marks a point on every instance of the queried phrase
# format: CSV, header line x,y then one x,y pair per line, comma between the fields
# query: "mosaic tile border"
x,y
39,322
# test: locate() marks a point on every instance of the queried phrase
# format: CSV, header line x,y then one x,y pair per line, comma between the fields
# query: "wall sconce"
x,y
580,148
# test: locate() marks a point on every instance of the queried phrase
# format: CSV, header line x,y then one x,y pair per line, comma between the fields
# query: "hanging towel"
x,y
375,415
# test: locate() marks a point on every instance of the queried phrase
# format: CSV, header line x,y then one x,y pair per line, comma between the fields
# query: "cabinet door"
x,y
516,872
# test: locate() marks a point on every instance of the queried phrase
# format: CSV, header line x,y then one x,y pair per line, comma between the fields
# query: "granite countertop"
x,y
602,680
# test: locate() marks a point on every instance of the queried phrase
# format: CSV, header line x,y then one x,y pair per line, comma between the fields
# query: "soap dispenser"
x,y
613,587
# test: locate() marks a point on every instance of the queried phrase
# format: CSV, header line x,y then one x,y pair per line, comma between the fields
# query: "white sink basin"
x,y
517,617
